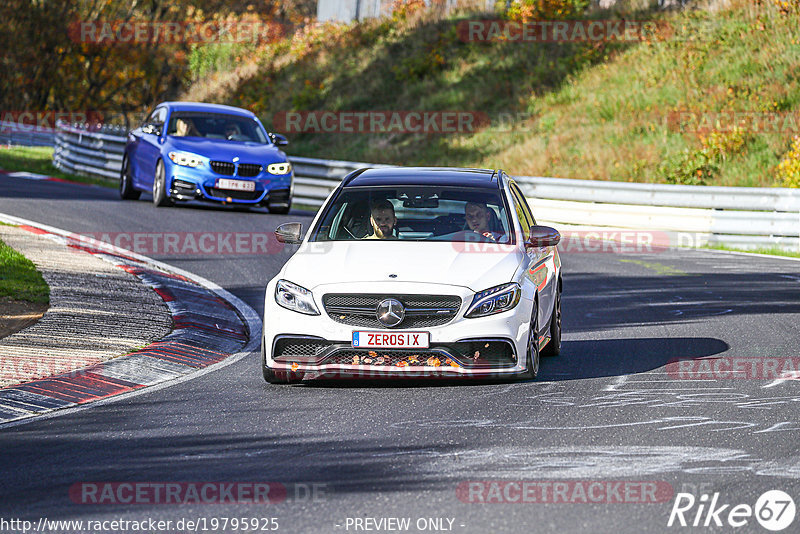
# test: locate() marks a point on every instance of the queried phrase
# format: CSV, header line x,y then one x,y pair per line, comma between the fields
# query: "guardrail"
x,y
735,216
12,133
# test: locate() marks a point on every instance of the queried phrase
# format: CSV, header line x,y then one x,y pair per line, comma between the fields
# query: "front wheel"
x,y
280,201
160,196
126,190
532,356
269,375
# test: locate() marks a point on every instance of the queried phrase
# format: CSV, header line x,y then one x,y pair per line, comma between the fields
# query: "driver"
x,y
478,216
383,220
232,130
184,127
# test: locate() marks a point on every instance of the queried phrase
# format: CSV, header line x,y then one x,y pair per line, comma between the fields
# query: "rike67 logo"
x,y
774,510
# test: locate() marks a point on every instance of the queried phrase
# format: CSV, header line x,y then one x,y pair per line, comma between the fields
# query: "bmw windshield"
x,y
220,126
416,213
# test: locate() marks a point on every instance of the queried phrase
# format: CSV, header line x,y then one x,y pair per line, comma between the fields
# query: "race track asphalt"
x,y
605,410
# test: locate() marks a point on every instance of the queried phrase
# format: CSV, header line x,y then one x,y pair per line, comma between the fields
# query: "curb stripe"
x,y
206,330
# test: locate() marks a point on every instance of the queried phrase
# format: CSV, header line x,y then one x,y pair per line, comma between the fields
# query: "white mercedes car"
x,y
419,273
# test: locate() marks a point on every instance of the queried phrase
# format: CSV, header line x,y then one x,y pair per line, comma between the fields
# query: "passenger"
x,y
356,220
383,220
479,218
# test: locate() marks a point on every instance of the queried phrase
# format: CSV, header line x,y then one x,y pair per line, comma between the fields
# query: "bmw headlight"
x,y
185,159
279,168
295,298
494,300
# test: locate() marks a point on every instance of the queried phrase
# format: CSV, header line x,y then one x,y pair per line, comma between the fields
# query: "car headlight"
x,y
494,300
279,168
185,159
295,298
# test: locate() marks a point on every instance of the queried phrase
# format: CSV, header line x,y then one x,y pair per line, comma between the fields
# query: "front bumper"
x,y
304,347
196,184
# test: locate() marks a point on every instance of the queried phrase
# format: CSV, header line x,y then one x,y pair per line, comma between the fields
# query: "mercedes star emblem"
x,y
390,312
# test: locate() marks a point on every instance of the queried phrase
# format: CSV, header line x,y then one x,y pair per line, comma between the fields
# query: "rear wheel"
x,y
532,356
553,347
126,190
160,196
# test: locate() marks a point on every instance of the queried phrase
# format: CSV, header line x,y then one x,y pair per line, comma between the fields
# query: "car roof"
x,y
436,176
208,108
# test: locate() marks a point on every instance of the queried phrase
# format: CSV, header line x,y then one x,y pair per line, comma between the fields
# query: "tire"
x,y
279,210
269,375
532,355
553,347
283,205
160,197
126,190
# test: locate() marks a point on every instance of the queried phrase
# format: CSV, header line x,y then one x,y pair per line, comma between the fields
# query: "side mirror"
x,y
151,129
278,139
542,236
289,233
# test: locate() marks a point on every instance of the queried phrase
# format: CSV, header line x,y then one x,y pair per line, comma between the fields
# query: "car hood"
x,y
221,150
454,264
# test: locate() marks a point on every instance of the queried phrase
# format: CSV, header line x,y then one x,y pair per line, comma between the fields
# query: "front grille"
x,y
391,358
248,170
223,167
470,354
422,311
236,195
299,349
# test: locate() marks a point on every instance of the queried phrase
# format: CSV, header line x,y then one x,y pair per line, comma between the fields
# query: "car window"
x,y
526,218
524,221
157,117
416,213
219,126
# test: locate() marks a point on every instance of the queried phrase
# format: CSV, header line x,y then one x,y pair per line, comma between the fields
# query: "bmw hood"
x,y
221,150
443,263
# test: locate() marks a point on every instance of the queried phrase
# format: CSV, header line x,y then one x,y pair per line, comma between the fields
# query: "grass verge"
x,y
19,278
39,160
773,251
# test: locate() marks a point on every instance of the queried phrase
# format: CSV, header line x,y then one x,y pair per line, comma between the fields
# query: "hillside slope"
x,y
598,110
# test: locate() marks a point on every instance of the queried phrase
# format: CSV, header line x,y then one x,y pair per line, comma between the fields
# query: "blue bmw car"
x,y
193,151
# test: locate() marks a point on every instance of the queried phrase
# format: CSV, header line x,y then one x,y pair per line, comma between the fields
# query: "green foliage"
x,y
19,278
788,170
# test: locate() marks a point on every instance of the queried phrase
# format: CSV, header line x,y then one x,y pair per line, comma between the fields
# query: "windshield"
x,y
416,213
216,126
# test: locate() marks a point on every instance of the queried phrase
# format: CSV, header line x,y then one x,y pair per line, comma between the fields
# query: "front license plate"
x,y
394,340
236,185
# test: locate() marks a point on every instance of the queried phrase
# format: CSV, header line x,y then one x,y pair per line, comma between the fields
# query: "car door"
x,y
148,147
541,266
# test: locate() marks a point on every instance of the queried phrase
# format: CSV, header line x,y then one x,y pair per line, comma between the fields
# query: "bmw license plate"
x,y
236,185
393,340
